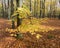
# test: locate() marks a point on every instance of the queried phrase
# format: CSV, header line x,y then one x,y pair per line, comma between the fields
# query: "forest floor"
x,y
50,39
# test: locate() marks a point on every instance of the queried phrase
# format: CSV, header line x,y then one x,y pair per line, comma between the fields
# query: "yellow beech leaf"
x,y
38,36
11,34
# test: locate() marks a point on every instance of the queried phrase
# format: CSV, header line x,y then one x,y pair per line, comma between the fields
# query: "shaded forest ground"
x,y
50,39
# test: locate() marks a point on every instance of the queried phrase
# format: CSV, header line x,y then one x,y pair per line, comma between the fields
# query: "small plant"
x,y
19,36
50,36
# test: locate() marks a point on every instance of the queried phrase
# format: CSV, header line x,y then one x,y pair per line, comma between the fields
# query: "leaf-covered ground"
x,y
50,39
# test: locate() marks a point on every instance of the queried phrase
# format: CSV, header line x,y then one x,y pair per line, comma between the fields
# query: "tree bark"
x,y
19,4
30,5
9,9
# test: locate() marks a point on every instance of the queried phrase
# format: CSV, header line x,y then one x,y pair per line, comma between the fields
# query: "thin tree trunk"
x,y
12,7
30,5
35,8
12,11
59,14
19,4
43,9
3,6
40,9
9,9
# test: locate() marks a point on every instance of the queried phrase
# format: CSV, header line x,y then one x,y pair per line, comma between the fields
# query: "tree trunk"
x,y
40,9
43,9
30,5
12,11
9,9
3,8
59,16
19,4
35,8
12,7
